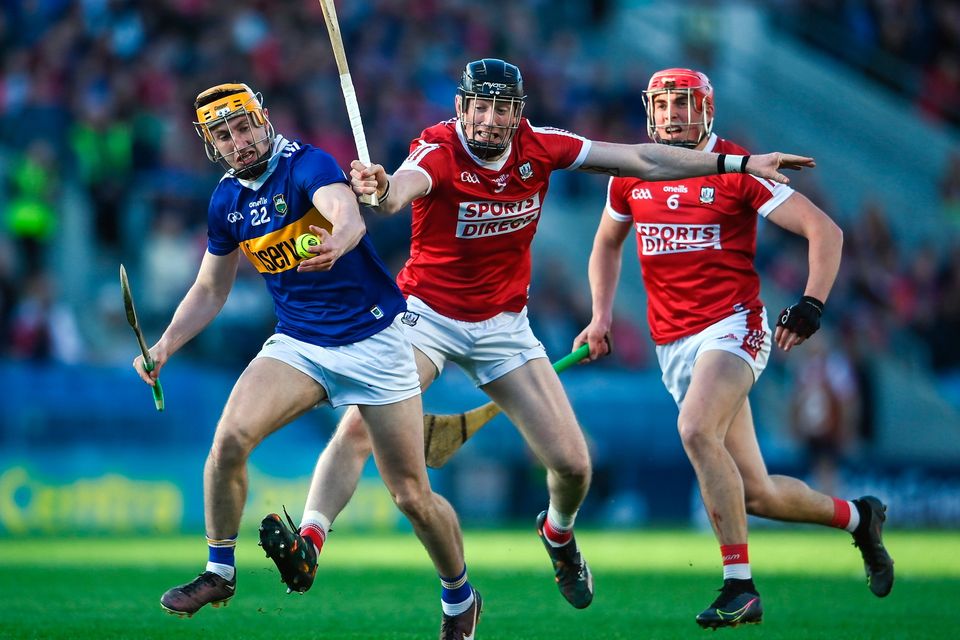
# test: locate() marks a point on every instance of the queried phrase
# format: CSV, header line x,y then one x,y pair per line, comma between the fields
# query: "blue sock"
x,y
456,595
221,559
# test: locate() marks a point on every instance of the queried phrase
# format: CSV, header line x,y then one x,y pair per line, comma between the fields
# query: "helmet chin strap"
x,y
255,170
485,152
686,143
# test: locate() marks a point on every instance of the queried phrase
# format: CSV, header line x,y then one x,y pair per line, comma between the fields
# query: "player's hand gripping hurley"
x,y
148,363
349,94
443,435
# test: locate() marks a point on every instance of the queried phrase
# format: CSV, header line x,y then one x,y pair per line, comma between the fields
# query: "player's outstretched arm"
x,y
198,308
394,192
768,165
661,162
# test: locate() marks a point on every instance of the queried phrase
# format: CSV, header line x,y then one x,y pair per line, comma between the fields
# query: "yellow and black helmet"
x,y
225,102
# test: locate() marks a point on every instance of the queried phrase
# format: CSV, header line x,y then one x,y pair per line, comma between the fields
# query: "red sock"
x,y
846,515
558,537
736,561
314,534
841,514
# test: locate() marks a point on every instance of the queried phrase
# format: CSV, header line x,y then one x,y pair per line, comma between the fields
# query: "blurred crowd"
x,y
891,299
911,45
107,85
96,95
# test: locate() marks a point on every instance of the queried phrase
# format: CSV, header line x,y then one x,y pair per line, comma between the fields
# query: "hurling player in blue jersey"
x,y
337,341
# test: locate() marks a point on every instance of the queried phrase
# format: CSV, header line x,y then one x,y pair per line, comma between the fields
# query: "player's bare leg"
x,y
789,499
394,431
296,550
247,419
535,401
245,422
718,388
341,464
397,434
772,496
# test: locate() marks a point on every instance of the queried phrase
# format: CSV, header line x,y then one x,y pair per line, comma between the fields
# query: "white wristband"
x,y
733,164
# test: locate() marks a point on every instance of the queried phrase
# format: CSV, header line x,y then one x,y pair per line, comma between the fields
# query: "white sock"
x,y
318,519
854,518
559,520
737,571
225,571
457,609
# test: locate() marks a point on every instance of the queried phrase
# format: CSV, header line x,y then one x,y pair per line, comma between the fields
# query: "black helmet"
x,y
492,77
498,81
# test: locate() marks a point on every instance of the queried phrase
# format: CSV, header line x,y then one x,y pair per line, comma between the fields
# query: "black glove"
x,y
803,318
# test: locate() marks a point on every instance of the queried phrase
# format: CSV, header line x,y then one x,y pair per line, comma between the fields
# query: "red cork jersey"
x,y
696,240
471,235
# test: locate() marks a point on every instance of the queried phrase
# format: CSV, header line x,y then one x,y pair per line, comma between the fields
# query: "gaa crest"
x,y
526,171
707,194
280,204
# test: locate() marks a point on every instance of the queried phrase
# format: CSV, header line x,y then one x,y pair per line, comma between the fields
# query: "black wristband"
x,y
743,167
386,192
720,158
813,302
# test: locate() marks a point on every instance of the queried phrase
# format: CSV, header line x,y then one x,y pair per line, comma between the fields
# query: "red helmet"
x,y
699,93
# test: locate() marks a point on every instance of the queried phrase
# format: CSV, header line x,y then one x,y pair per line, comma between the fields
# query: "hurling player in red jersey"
x,y
696,240
477,183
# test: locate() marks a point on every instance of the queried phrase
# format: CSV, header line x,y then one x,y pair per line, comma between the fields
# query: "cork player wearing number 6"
x,y
477,184
696,240
338,338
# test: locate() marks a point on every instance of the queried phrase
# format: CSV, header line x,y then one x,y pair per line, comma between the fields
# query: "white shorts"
x,y
374,371
739,334
485,350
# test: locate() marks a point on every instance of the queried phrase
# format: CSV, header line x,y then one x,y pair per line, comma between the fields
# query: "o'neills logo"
x,y
656,239
485,218
753,342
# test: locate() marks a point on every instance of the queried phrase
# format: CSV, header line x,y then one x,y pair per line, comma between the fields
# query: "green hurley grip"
x,y
571,358
158,396
156,388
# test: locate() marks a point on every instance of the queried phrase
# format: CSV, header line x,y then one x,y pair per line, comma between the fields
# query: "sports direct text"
x,y
657,239
485,218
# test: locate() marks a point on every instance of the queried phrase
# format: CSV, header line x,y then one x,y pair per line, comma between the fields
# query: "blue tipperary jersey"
x,y
352,301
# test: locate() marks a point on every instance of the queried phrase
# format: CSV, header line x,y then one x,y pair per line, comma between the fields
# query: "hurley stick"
x,y
349,94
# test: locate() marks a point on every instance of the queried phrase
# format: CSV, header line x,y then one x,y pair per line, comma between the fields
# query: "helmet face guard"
x,y
697,92
222,112
499,83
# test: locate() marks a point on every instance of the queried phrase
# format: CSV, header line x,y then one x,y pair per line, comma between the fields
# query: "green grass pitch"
x,y
649,584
